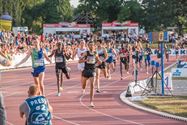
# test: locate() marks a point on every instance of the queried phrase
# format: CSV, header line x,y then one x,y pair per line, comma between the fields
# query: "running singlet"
x,y
147,53
59,58
37,58
80,52
101,54
39,113
123,53
91,61
110,57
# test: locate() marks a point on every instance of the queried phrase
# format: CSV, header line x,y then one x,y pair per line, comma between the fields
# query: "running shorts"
x,y
88,73
36,71
102,66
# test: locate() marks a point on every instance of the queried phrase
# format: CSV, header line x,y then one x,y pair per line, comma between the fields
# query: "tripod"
x,y
151,86
136,74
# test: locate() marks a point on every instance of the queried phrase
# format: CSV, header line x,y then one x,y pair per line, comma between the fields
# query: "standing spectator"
x,y
36,109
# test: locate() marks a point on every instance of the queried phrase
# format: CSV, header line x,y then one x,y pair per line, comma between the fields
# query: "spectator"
x,y
36,109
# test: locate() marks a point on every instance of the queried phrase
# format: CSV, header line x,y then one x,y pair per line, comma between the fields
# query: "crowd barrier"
x,y
18,57
172,52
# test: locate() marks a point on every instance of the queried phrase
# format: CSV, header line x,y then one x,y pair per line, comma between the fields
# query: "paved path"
x,y
71,108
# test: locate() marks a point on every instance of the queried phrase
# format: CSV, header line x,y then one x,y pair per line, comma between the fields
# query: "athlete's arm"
x,y
21,114
25,59
52,54
98,59
106,54
74,54
50,107
114,51
46,57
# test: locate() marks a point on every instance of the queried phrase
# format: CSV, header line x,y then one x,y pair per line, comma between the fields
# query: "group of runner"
x,y
94,58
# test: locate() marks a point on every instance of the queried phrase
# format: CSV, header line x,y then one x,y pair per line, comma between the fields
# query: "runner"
x,y
140,57
38,65
60,65
177,51
79,52
167,52
135,59
147,57
36,109
110,63
89,73
124,59
115,55
103,56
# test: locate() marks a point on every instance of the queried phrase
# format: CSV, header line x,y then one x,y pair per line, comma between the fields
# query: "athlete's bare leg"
x,y
98,72
92,84
36,82
84,80
41,83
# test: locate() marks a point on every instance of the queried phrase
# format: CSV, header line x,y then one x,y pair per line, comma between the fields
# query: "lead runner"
x,y
38,64
90,59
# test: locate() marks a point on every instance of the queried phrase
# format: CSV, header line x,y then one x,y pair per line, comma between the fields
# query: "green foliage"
x,y
34,13
131,10
152,14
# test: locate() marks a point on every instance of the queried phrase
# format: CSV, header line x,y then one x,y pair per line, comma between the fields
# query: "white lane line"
x,y
67,121
104,114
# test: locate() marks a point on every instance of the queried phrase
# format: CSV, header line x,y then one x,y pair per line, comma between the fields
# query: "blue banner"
x,y
150,37
166,36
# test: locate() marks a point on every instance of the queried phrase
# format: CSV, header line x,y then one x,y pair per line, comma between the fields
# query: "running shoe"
x,y
98,91
91,105
58,94
83,91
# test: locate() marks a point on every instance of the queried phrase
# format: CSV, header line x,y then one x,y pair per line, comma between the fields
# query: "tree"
x,y
103,10
57,11
132,10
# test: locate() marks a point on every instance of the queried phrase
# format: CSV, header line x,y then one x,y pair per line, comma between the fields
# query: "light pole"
x,y
161,39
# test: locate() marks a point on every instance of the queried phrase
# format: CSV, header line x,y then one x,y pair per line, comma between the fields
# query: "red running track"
x,y
71,108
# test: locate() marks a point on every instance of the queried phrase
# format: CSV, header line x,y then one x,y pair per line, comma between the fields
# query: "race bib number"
x,y
39,62
91,60
122,55
110,54
59,59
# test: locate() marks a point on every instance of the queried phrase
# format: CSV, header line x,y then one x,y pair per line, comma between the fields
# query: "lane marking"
x,y
104,114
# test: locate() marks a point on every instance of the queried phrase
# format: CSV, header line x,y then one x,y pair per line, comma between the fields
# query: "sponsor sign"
x,y
179,72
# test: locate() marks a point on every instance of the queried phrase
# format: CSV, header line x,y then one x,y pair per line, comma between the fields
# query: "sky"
x,y
74,2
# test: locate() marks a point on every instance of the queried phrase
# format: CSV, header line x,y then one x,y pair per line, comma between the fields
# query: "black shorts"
x,y
125,61
61,70
88,73
102,66
114,60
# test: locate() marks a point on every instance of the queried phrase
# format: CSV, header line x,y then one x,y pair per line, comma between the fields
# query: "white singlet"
x,y
80,56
